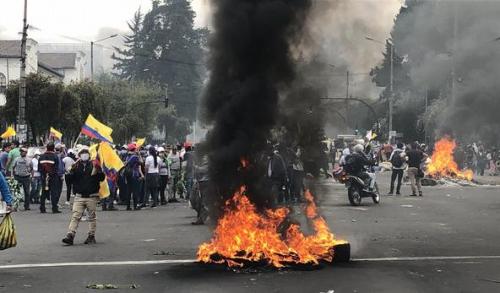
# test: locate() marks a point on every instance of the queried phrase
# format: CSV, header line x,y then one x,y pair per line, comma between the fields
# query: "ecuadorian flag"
x,y
93,128
111,165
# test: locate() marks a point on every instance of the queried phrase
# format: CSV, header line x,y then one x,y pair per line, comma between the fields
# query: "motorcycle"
x,y
357,189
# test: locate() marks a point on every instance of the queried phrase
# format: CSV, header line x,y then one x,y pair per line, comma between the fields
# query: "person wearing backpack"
x,y
22,173
398,161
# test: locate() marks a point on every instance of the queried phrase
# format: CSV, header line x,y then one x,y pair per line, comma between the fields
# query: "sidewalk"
x,y
487,180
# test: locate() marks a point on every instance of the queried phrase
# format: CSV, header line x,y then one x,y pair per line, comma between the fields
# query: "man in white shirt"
x,y
36,178
68,162
152,165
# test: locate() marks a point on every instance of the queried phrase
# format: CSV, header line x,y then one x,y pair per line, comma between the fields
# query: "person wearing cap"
x,y
48,166
68,162
174,159
86,175
22,173
36,178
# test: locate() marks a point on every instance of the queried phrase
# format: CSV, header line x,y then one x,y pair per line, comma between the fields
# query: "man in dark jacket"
x,y
355,165
86,176
48,166
276,171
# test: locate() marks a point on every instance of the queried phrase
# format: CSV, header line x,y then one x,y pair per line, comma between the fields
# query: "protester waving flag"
x,y
55,133
140,142
10,132
111,164
93,128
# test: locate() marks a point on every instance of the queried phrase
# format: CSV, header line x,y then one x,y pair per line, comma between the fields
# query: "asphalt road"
x,y
446,222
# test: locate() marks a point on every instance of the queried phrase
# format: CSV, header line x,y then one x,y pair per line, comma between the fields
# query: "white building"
x,y
66,67
70,65
10,62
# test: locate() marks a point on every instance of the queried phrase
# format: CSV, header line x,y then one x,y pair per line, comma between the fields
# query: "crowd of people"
x,y
479,158
151,176
400,158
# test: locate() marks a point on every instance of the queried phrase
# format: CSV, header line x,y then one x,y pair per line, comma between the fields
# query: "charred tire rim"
x,y
354,197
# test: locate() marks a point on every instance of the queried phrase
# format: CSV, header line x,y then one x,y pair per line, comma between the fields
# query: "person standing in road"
x,y
152,176
14,153
398,161
60,169
175,169
48,166
5,195
68,162
86,176
22,173
415,159
189,170
4,157
36,178
134,177
277,173
164,169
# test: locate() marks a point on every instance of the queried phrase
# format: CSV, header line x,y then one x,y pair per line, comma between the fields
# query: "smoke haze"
x,y
250,64
441,37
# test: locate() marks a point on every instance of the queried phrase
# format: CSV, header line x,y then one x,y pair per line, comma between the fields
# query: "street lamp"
x,y
391,82
92,54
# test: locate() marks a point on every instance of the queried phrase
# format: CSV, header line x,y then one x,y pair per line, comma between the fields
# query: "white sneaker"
x,y
84,219
67,203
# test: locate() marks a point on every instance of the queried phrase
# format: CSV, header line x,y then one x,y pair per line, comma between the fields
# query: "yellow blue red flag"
x,y
93,128
111,165
55,133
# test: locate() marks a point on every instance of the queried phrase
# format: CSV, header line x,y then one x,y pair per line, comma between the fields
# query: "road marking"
x,y
184,261
99,263
424,258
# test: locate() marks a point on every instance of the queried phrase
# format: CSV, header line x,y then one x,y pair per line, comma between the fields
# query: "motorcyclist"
x,y
355,164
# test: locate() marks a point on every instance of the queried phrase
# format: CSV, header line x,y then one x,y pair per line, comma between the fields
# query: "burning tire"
x,y
354,195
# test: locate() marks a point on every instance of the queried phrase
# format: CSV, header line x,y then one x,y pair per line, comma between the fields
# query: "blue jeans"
x,y
36,187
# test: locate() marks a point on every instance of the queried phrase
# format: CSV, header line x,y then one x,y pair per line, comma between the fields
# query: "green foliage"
x,y
165,47
175,128
130,108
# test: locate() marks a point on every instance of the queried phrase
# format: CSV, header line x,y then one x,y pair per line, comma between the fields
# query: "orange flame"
x,y
442,161
243,234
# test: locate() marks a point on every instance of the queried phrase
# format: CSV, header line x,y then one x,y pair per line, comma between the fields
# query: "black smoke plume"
x,y
250,65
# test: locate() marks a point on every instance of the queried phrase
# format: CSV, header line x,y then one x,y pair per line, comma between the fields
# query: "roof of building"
x,y
10,48
58,60
50,69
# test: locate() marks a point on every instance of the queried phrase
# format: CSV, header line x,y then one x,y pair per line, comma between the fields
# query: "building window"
x,y
3,83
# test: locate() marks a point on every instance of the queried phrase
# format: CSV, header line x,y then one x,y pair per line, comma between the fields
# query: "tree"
x,y
167,49
175,128
128,66
43,103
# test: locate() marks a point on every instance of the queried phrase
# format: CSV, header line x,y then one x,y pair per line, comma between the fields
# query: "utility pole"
x,y
347,99
92,54
92,61
391,95
391,82
453,57
21,119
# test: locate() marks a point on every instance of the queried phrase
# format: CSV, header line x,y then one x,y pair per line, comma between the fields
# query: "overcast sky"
x,y
81,19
